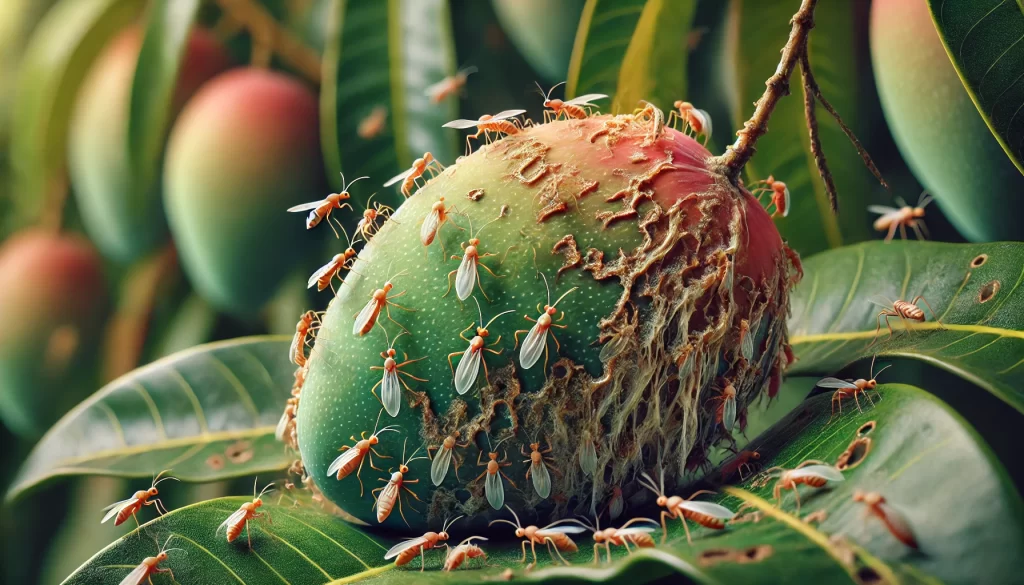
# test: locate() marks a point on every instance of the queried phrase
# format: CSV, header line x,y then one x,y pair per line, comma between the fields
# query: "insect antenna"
x,y
269,488
480,312
548,96
546,287
345,186
472,538
648,482
518,524
495,318
571,290
157,479
448,523
413,457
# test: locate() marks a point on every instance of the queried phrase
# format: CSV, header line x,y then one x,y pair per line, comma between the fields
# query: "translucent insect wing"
x,y
827,471
294,348
613,348
319,274
136,576
706,130
365,316
232,520
564,529
836,383
898,524
615,507
747,347
391,392
389,494
429,228
398,177
541,479
439,466
465,278
585,99
282,426
436,88
709,509
115,508
882,209
403,546
533,346
588,457
636,530
507,114
729,413
460,125
469,368
494,489
342,461
307,206
785,200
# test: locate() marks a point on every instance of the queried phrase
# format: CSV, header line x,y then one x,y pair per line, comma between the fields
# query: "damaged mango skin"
x,y
669,259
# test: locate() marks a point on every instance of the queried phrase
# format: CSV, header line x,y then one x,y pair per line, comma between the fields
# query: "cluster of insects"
x,y
556,537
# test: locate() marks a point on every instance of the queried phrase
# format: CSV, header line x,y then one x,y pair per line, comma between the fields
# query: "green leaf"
x,y
632,50
56,61
981,337
208,413
915,443
168,26
984,41
761,29
386,54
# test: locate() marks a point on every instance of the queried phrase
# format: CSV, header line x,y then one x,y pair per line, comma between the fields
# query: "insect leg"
x,y
892,232
686,528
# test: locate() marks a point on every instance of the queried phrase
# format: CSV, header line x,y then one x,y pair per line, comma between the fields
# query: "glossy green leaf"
x,y
168,25
974,290
761,29
385,55
56,61
984,41
915,442
207,413
632,50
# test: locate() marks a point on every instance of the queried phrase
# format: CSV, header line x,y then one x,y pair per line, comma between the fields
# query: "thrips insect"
x,y
408,550
537,337
130,507
392,492
443,459
494,489
321,210
472,358
150,566
246,512
893,519
552,535
539,462
409,177
391,381
811,473
706,514
352,457
853,388
902,217
575,108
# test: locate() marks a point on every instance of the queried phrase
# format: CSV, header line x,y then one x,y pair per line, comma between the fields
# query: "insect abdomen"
x,y
234,530
704,520
126,512
408,554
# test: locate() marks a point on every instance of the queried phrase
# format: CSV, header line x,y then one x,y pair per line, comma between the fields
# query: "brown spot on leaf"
x,y
239,452
215,462
979,260
753,554
475,194
868,576
756,554
988,291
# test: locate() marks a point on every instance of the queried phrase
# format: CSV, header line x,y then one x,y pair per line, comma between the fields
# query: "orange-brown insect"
x,y
130,507
504,122
903,217
408,550
651,113
392,492
440,463
391,381
449,85
847,388
287,421
893,519
419,166
576,108
494,489
779,195
367,317
706,514
639,536
555,537
367,226
725,411
902,310
746,340
439,214
811,473
472,358
352,457
468,273
321,210
539,462
325,275
739,463
150,566
373,124
308,323
694,119
537,337
464,550
246,512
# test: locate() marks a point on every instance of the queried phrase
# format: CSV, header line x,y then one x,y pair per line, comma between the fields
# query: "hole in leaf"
x,y
868,576
713,555
755,554
560,372
988,291
979,260
854,454
866,428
